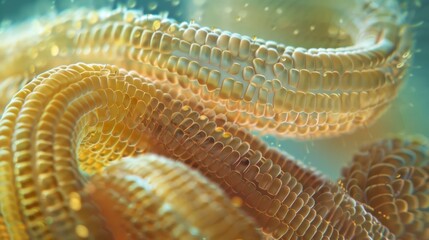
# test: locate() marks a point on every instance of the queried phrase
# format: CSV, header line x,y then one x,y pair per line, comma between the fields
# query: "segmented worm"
x,y
392,177
82,117
156,198
192,91
262,84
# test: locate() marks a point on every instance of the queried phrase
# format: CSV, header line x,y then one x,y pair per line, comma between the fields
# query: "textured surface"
x,y
90,115
392,177
266,85
176,202
193,91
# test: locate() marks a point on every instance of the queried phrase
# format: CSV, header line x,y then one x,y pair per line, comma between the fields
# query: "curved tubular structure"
x,y
82,117
191,96
265,85
392,178
151,197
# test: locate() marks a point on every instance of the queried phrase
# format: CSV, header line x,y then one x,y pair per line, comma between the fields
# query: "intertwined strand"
x,y
262,84
81,118
189,93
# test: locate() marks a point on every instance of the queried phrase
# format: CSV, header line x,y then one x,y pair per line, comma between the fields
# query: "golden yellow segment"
x,y
391,177
152,197
191,96
79,118
356,83
3,229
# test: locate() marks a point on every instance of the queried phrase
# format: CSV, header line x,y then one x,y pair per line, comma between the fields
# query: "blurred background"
x,y
407,116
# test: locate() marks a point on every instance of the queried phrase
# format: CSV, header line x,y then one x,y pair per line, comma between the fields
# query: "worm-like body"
x,y
187,93
82,117
265,85
392,178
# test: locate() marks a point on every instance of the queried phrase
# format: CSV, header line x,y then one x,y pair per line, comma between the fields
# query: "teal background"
x,y
407,116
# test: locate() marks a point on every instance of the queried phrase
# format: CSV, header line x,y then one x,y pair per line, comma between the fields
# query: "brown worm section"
x,y
3,229
392,177
156,198
89,115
